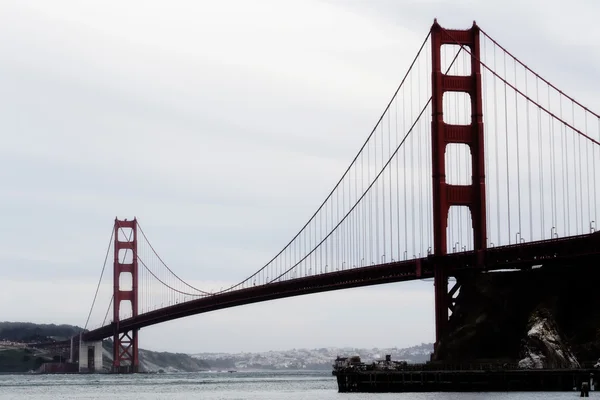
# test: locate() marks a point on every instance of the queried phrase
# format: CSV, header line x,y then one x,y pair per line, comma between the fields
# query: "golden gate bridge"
x,y
477,163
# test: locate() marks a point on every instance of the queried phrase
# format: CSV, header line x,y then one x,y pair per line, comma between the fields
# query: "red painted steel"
x,y
446,195
572,251
125,346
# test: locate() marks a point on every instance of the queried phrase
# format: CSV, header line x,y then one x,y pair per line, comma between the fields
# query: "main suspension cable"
x,y
112,233
165,265
347,170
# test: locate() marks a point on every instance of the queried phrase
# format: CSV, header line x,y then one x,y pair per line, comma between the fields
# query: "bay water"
x,y
302,385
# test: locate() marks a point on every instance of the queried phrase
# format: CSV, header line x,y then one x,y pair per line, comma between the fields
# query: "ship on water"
x,y
353,375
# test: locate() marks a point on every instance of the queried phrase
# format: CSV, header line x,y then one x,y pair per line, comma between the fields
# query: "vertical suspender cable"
x,y
497,172
587,172
577,177
419,165
110,241
506,149
412,174
530,194
580,173
518,154
397,186
540,156
376,189
429,162
564,172
594,148
404,177
382,181
552,168
390,187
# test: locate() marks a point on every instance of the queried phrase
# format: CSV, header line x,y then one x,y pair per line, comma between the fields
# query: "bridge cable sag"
x,y
359,200
343,175
534,73
100,280
169,286
112,298
375,179
576,152
165,265
513,87
360,152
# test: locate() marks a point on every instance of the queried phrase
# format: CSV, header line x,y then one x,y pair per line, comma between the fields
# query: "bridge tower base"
x,y
125,344
90,356
446,195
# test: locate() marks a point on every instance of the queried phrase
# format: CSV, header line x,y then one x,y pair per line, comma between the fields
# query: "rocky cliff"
x,y
545,317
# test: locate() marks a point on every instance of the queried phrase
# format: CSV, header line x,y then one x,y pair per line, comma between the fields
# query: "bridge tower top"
x,y
446,195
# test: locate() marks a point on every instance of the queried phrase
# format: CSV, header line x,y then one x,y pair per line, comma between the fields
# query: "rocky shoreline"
x,y
539,318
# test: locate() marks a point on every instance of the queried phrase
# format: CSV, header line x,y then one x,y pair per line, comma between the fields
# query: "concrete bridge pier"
x,y
90,356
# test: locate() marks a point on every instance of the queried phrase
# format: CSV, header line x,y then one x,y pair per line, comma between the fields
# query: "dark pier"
x,y
400,377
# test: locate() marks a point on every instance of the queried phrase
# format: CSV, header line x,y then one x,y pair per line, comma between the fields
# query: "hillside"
x,y
20,359
15,356
154,361
28,332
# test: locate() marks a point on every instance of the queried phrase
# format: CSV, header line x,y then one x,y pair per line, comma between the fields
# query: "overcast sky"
x,y
221,126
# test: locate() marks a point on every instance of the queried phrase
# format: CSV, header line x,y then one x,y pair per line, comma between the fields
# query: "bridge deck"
x,y
576,249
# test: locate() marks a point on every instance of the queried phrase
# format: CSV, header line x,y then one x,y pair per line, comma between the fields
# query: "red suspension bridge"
x,y
477,163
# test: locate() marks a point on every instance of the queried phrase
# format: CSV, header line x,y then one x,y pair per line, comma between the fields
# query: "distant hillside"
x,y
310,359
29,332
16,357
153,361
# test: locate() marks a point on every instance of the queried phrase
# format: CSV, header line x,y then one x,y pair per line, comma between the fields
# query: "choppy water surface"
x,y
215,386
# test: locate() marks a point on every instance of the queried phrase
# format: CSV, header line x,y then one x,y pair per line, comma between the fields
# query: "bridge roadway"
x,y
568,251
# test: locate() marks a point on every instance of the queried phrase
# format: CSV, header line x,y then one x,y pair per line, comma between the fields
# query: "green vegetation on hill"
x,y
21,359
30,332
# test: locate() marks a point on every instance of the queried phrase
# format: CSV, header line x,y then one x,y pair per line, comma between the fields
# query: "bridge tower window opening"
x,y
124,233
459,230
455,60
125,311
125,256
458,164
126,281
457,108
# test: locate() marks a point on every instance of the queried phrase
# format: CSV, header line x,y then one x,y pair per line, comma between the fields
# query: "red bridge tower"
x,y
125,350
447,195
